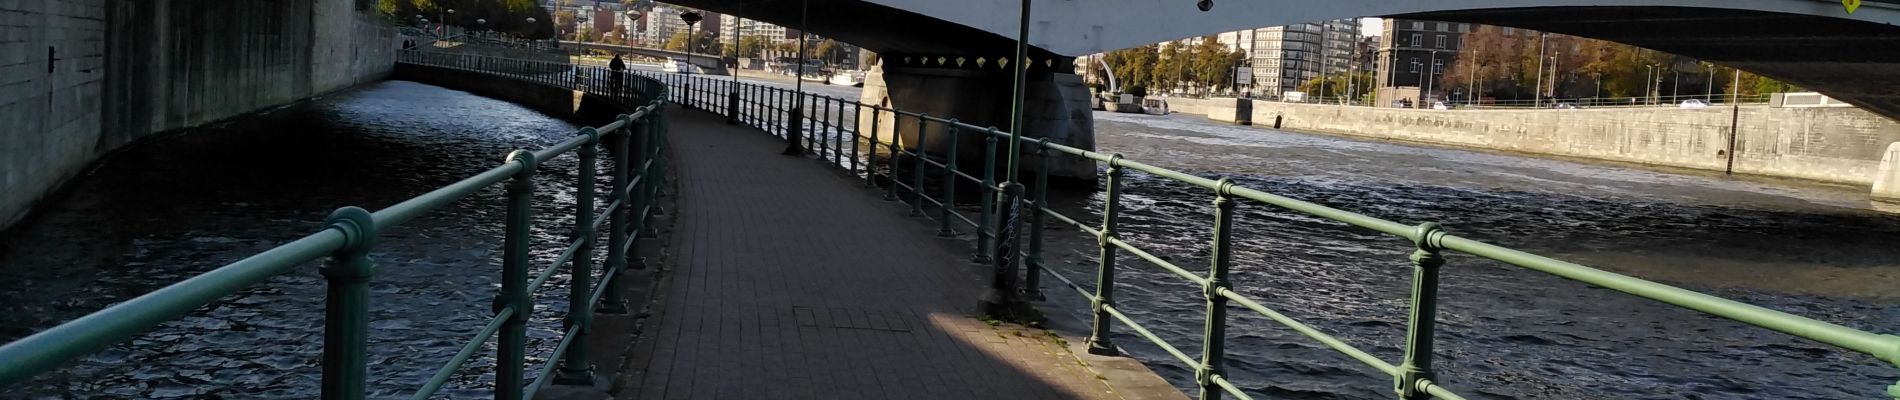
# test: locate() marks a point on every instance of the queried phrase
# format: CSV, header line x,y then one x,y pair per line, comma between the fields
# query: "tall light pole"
x,y
1429,73
1472,86
1003,300
1648,75
1322,60
1537,98
692,20
1553,75
792,146
732,97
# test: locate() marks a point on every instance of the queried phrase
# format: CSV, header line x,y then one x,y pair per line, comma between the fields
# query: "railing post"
x,y
732,104
857,133
917,165
511,348
657,171
1214,339
346,305
794,118
897,145
870,164
824,128
837,136
575,368
984,232
1032,273
944,229
1105,271
619,227
1426,260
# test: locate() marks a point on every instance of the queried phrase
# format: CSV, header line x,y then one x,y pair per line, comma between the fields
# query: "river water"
x,y
1504,332
174,206
170,207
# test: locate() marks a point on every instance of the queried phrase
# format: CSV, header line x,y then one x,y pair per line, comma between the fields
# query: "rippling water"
x,y
1504,332
170,207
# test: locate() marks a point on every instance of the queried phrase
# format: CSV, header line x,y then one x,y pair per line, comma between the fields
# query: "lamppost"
x,y
797,111
481,26
1426,75
1537,98
444,15
530,29
1648,75
732,98
692,19
1004,298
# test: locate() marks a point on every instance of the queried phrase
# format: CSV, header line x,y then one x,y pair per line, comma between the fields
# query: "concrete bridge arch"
x,y
931,49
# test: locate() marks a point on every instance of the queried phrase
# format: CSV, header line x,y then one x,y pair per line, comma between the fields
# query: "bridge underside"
x,y
885,30
1854,61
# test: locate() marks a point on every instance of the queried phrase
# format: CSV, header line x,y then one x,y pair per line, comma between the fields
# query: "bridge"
x,y
934,52
712,64
853,236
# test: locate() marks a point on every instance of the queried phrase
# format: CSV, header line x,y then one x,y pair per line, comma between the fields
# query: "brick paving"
x,y
789,280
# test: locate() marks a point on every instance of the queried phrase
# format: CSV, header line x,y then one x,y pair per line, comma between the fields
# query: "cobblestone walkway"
x,y
790,281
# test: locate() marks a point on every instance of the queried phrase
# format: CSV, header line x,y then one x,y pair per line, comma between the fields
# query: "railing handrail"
x,y
347,238
1414,375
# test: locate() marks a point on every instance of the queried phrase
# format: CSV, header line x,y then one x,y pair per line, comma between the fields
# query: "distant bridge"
x,y
711,63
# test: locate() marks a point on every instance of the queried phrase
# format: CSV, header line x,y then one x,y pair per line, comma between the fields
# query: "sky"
x,y
1370,26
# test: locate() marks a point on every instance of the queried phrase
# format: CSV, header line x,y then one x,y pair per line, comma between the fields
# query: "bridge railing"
x,y
635,143
808,120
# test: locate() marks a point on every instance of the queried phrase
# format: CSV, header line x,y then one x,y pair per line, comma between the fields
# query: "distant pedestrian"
x,y
618,67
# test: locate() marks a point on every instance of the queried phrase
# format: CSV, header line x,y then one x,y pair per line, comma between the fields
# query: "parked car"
x,y
1439,105
1565,106
1694,103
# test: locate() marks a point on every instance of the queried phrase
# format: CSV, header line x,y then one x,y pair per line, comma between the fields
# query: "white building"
x,y
1283,57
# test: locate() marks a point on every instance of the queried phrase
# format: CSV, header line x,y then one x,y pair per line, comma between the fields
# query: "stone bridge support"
x,y
1057,108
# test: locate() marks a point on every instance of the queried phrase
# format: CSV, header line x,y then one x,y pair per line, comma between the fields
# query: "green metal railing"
x,y
636,144
765,107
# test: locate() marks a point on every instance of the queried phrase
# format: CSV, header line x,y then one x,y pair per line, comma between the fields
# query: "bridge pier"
x,y
1057,109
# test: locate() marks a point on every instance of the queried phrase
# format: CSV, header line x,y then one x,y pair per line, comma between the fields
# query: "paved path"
x,y
790,281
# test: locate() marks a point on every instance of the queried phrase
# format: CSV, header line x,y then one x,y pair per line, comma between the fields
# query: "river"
x,y
169,207
173,206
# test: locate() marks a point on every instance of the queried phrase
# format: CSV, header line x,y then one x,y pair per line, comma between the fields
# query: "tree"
x,y
1338,84
748,46
505,16
568,22
825,51
1133,67
1171,68
677,42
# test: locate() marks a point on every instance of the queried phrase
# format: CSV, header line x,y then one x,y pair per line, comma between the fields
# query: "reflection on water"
x,y
1504,332
174,206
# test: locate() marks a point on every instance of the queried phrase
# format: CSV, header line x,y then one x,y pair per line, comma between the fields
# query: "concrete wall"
x,y
1057,107
121,70
1841,145
571,105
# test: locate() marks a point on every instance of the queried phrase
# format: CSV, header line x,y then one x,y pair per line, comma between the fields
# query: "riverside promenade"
x,y
787,280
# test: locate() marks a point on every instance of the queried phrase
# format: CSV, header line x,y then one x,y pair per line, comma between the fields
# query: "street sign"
x,y
1851,5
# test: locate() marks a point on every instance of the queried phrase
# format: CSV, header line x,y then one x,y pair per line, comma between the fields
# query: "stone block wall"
x,y
1828,144
121,70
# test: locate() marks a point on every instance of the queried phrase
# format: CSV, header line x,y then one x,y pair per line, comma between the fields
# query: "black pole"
x,y
792,146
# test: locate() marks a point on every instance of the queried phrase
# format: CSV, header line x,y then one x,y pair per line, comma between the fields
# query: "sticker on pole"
x,y
1851,5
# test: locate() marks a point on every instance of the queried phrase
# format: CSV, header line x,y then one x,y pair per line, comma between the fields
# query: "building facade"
x,y
1281,58
1412,55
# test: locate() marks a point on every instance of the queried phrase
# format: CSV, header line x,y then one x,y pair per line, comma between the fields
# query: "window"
x,y
1508,30
1418,40
1418,25
1414,64
1438,67
1464,28
1441,41
1444,27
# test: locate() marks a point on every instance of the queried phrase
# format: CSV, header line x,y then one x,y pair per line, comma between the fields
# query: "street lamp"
x,y
1430,72
692,18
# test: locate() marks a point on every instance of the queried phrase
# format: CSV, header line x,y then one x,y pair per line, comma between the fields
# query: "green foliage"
x,y
1507,65
1136,90
1171,66
748,46
1338,84
506,16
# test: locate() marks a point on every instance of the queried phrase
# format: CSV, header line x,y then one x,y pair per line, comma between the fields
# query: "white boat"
x,y
674,65
847,78
813,77
1154,105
